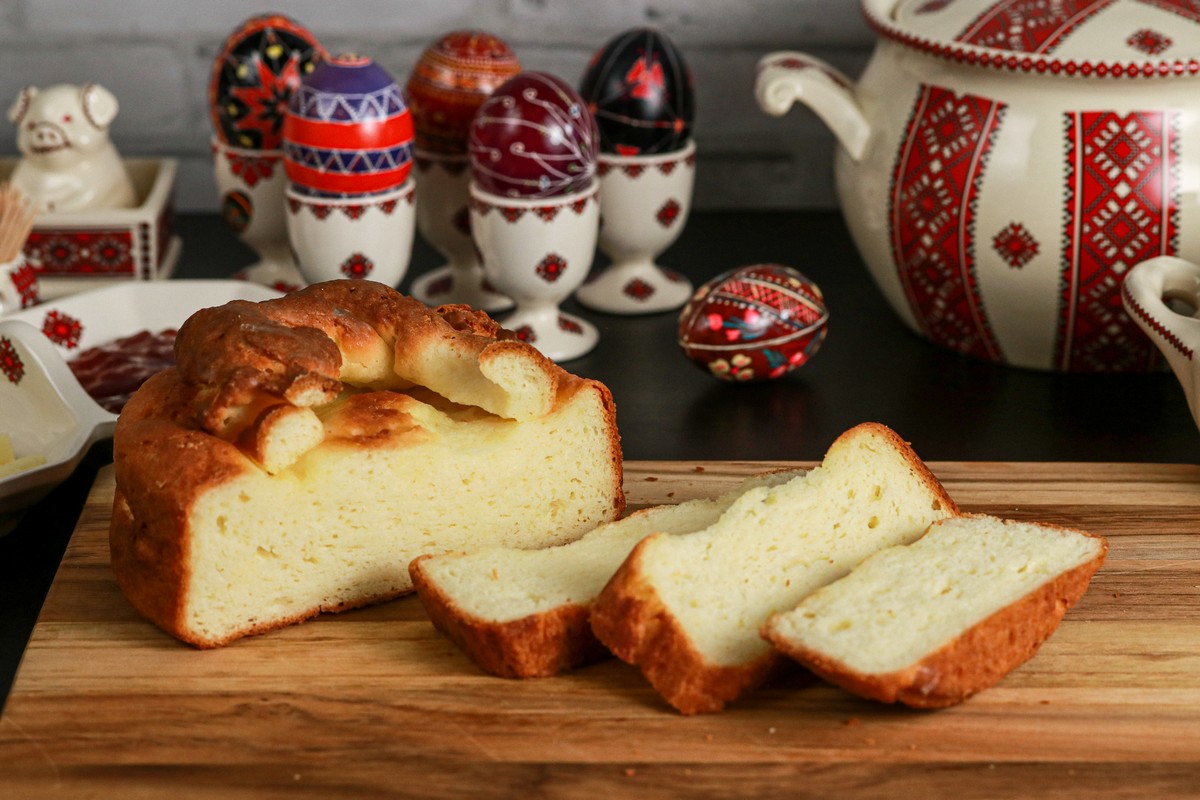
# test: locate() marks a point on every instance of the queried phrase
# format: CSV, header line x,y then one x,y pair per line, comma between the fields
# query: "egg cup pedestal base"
x,y
640,287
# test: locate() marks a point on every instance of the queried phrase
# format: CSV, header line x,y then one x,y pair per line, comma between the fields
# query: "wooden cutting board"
x,y
375,702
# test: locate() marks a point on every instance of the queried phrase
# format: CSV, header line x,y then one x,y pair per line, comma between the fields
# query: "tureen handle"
x,y
1147,289
787,77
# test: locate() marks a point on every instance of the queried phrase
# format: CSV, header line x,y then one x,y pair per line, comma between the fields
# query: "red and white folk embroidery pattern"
x,y
552,267
357,266
932,216
1149,42
1015,245
10,361
25,282
62,329
1122,207
1029,26
668,213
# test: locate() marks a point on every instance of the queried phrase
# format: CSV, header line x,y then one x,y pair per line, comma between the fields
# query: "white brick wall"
x,y
155,55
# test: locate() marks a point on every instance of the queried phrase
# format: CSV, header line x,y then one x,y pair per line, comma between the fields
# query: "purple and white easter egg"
x,y
534,137
348,130
639,88
754,323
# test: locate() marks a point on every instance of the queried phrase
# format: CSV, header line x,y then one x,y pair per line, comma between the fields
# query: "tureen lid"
x,y
1100,38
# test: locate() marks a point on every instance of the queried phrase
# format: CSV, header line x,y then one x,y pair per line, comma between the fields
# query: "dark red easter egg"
x,y
259,66
639,88
534,137
450,81
348,130
754,323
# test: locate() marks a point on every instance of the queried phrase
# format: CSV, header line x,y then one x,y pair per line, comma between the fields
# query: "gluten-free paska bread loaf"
x,y
306,449
523,613
931,624
687,610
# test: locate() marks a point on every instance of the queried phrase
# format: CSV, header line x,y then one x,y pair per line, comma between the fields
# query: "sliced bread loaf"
x,y
523,613
932,623
688,609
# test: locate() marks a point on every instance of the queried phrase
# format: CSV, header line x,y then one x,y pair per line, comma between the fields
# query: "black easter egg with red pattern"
x,y
639,88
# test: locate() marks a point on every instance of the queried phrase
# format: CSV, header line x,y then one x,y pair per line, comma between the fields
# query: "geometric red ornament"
x,y
1015,245
935,186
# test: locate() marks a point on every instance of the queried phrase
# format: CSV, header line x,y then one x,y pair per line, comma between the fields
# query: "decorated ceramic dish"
x,y
639,88
58,419
1003,164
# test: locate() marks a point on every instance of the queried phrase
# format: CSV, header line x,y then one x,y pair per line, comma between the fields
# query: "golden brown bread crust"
x,y
973,661
244,355
629,618
536,646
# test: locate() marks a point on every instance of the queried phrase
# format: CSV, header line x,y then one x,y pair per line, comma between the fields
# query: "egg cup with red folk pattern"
x,y
538,251
644,204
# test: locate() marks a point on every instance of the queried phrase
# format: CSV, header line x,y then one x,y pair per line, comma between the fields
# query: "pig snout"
x,y
43,138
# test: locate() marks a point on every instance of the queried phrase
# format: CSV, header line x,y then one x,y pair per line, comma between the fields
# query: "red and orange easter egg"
x,y
754,323
451,79
348,130
259,66
534,137
639,88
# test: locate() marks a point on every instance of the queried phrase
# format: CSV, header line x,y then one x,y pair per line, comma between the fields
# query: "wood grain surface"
x,y
375,703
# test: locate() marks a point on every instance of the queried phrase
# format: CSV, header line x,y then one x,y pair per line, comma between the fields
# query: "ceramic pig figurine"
x,y
69,162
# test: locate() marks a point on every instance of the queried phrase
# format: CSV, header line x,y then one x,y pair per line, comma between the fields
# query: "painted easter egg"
x,y
639,88
534,137
347,130
753,323
259,66
450,81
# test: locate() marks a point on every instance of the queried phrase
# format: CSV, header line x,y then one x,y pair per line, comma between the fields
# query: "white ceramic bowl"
x,y
43,408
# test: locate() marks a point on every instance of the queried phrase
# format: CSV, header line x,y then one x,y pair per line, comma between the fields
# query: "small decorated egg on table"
x,y
754,323
639,88
451,79
534,137
259,66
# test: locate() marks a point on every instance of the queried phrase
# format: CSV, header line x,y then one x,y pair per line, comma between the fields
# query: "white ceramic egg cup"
x,y
365,236
645,201
539,251
444,220
252,185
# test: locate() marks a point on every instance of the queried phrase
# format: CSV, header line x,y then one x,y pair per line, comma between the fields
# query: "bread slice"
x,y
687,609
933,623
524,613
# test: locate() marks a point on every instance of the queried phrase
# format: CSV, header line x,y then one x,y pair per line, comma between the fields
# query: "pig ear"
x,y
99,105
16,112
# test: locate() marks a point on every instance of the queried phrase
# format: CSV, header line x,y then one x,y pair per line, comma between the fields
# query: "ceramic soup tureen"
x,y
1003,164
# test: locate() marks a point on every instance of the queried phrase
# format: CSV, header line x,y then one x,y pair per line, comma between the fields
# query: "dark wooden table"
x,y
870,368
